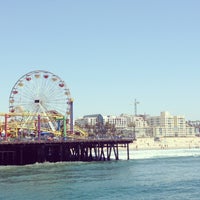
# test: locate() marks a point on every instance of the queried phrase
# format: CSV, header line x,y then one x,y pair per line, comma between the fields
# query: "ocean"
x,y
148,175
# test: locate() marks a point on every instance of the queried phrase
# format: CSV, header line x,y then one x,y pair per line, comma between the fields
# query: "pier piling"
x,y
22,153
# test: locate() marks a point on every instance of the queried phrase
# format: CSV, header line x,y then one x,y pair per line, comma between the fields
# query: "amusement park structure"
x,y
39,126
40,104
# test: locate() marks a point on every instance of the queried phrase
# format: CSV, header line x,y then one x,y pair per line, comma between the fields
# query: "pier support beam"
x,y
22,153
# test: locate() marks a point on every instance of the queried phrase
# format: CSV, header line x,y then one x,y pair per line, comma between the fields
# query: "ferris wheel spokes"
x,y
49,121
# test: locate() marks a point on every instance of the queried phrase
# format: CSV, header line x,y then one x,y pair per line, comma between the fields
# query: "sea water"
x,y
148,175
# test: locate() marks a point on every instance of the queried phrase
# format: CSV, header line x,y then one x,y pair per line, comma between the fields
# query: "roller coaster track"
x,y
79,130
30,124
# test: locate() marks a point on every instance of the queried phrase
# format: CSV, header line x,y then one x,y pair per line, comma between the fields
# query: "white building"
x,y
169,125
129,124
117,121
90,120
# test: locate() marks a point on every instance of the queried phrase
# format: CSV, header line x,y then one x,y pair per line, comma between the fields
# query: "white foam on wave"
x,y
160,153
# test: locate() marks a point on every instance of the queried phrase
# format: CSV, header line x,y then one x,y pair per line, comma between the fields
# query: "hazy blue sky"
x,y
109,52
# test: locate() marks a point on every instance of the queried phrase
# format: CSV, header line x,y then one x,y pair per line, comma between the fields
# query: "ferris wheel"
x,y
40,93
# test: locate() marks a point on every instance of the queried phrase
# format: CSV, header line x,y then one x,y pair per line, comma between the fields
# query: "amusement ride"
x,y
40,104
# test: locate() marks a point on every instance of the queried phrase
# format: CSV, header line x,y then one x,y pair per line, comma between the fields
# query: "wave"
x,y
161,153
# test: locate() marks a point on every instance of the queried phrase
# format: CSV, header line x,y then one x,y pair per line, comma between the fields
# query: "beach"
x,y
166,143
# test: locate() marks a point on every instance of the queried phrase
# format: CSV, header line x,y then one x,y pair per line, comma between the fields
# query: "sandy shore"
x,y
166,143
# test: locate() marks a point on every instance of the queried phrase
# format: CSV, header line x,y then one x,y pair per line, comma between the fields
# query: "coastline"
x,y
165,143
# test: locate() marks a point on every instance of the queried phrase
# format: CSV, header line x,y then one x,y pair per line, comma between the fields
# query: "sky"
x,y
109,52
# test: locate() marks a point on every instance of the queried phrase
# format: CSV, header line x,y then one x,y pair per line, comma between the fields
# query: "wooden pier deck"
x,y
30,152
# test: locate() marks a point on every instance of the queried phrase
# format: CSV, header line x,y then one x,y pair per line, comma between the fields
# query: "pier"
x,y
35,128
23,153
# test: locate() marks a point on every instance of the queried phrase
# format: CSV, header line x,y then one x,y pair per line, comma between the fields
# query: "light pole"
x,y
135,104
134,136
